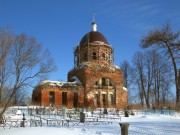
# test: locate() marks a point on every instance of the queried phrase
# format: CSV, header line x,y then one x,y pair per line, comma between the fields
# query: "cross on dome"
x,y
94,17
93,24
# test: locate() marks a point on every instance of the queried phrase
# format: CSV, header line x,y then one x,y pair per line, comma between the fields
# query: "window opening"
x,y
64,98
103,81
94,55
95,100
111,99
104,99
103,55
75,103
51,98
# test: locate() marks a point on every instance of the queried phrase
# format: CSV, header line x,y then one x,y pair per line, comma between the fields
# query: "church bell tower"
x,y
93,48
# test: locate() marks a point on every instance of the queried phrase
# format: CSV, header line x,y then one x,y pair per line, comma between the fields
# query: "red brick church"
x,y
93,82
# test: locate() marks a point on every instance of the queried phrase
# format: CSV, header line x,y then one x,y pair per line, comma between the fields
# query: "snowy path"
x,y
138,126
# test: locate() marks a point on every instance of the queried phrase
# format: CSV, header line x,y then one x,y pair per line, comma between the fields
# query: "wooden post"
x,y
124,128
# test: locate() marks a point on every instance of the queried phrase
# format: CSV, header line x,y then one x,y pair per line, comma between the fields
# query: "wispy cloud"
x,y
142,14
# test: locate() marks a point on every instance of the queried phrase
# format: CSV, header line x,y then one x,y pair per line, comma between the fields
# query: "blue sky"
x,y
59,25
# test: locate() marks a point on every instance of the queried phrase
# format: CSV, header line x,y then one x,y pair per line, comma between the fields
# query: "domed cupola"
x,y
93,36
94,49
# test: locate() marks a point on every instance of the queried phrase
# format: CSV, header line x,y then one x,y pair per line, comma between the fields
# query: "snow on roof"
x,y
117,67
61,84
125,89
76,79
111,68
98,43
85,64
49,81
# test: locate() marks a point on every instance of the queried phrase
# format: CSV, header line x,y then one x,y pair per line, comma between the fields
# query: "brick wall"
x,y
89,75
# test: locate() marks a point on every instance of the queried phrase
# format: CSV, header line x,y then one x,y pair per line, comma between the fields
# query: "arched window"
x,y
103,56
51,97
103,81
94,55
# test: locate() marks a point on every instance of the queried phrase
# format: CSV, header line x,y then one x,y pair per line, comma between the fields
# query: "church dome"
x,y
93,36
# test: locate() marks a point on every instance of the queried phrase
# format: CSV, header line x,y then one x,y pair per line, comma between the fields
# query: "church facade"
x,y
93,82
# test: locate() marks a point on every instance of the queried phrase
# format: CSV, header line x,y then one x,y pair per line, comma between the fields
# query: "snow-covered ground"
x,y
139,124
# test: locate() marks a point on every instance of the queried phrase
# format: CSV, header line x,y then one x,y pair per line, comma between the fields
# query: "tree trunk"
x,y
178,92
7,103
147,103
175,75
0,95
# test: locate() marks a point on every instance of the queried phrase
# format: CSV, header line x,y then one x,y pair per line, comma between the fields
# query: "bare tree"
x,y
125,69
127,79
152,77
162,79
167,41
6,40
28,63
20,97
139,77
